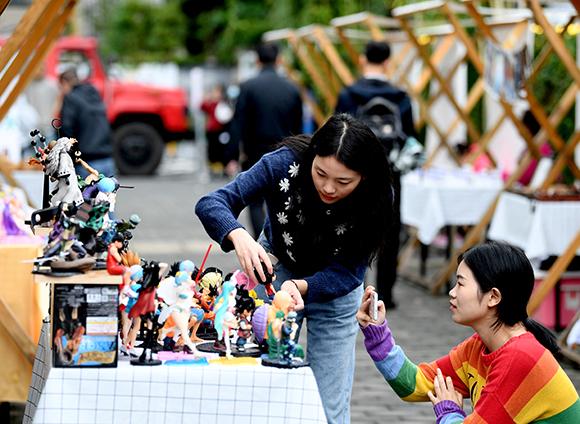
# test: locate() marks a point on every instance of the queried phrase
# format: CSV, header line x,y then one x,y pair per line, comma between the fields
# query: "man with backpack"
x,y
387,110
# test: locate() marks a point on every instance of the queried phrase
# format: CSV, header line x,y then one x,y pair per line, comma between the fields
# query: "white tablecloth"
x,y
180,394
432,199
214,393
541,228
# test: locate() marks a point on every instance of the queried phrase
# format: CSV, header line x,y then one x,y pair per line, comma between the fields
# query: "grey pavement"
x,y
169,231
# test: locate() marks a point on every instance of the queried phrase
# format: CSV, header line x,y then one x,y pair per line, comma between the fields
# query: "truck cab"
x,y
143,118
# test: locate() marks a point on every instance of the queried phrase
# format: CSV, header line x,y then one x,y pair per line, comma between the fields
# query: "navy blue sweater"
x,y
274,178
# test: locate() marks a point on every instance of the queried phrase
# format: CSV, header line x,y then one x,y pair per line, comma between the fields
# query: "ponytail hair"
x,y
542,335
507,268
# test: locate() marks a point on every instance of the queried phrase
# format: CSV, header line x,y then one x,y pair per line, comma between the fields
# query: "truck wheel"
x,y
137,149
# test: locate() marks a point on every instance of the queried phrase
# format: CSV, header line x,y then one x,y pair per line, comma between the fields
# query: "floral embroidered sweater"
x,y
520,382
275,178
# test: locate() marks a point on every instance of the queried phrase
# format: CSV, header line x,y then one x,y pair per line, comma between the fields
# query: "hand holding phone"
x,y
374,306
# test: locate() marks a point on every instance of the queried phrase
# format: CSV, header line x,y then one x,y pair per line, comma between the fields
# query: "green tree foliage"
x,y
238,24
141,31
195,30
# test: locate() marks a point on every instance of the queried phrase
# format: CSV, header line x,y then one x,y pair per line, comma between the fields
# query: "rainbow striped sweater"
x,y
520,382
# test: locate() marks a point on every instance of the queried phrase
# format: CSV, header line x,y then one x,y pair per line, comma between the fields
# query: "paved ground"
x,y
169,231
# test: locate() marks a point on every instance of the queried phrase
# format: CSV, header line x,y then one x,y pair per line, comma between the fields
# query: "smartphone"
x,y
374,306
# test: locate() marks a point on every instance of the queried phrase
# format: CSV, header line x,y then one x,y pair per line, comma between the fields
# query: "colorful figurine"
x,y
225,319
115,264
144,310
127,298
245,305
208,289
179,302
59,166
283,351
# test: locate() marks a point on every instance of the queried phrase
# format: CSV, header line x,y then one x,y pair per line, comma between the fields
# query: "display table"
x,y
21,305
540,227
214,393
434,198
175,394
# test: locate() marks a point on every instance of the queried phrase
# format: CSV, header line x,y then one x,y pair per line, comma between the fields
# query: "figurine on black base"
x,y
225,320
283,352
144,310
245,305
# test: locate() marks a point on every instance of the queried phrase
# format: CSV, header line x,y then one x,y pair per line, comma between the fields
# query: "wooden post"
x,y
556,270
55,27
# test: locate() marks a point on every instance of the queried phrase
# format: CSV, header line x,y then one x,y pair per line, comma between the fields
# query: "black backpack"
x,y
384,119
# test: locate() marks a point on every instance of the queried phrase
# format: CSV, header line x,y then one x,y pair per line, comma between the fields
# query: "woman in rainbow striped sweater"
x,y
506,367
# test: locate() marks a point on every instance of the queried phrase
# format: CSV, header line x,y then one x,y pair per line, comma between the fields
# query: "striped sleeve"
x,y
409,381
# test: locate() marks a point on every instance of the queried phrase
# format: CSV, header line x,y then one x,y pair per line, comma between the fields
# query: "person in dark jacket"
x,y
84,117
269,108
374,84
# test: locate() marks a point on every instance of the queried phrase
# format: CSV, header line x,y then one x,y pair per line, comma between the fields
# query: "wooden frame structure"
x,y
570,353
26,48
547,133
457,33
313,46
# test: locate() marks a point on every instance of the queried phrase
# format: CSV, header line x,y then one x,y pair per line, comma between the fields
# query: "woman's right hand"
x,y
250,254
363,316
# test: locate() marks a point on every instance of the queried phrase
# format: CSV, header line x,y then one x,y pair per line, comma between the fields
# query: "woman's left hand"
x,y
291,288
444,390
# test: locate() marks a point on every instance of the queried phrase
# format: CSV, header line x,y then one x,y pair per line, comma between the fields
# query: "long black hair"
x,y
506,267
370,206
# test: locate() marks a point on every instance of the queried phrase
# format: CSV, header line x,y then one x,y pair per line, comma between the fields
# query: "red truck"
x,y
143,118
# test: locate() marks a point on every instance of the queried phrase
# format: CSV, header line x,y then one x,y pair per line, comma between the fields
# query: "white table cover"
x,y
180,394
434,198
541,228
175,394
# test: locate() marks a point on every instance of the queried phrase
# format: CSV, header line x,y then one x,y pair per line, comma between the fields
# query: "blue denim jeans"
x,y
331,337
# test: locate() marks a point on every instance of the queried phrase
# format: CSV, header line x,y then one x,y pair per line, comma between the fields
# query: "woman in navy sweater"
x,y
329,200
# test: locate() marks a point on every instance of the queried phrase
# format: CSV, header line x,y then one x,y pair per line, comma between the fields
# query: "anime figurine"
x,y
127,299
63,251
13,214
179,304
283,351
59,166
265,314
115,264
274,335
144,311
225,320
290,350
208,289
245,305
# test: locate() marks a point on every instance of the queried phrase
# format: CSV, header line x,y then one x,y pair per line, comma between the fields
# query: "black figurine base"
x,y
220,348
149,362
283,363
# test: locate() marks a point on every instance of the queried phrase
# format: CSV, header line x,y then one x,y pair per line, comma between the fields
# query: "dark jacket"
x,y
268,109
358,94
84,117
330,268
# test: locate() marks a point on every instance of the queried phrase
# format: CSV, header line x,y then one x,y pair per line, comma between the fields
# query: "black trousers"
x,y
387,263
